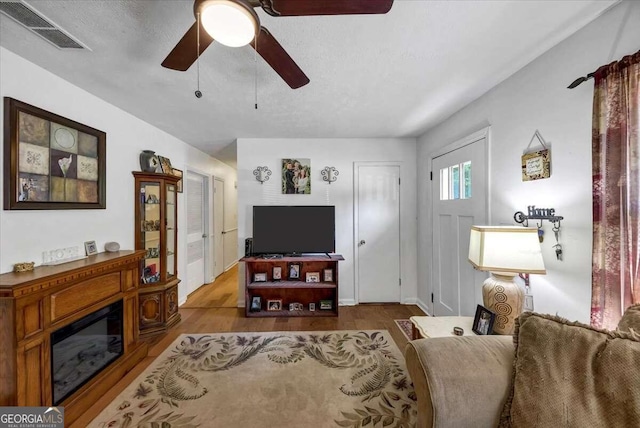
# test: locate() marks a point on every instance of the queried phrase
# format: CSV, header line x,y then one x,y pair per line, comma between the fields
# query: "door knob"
x,y
361,243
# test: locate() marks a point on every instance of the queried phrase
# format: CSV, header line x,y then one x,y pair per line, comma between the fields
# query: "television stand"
x,y
311,281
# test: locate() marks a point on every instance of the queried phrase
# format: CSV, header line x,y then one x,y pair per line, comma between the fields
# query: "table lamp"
x,y
505,251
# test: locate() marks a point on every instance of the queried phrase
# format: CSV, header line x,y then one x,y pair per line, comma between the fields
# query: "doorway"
x,y
459,193
377,231
197,186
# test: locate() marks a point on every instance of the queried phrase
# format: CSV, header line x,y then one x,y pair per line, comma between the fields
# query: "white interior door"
x,y
377,234
196,229
218,225
459,191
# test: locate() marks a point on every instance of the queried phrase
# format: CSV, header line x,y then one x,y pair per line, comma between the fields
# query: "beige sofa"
x,y
465,381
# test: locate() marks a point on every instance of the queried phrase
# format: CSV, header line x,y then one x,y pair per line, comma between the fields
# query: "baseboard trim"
x,y
423,306
410,301
231,265
347,302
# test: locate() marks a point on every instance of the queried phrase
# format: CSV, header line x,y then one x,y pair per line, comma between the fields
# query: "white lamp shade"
x,y
228,23
505,249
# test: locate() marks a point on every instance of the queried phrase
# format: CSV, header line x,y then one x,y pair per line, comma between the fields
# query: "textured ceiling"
x,y
371,75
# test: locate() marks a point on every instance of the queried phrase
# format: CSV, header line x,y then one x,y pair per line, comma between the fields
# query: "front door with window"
x,y
459,189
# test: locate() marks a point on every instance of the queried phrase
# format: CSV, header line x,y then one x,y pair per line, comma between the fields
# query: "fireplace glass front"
x,y
82,349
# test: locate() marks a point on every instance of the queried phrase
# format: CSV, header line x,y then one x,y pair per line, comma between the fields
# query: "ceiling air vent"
x,y
28,17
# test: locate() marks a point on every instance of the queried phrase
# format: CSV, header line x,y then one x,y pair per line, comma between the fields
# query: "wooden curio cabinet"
x,y
157,233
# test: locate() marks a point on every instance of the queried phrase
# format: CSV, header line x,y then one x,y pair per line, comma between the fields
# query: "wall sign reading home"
x,y
51,162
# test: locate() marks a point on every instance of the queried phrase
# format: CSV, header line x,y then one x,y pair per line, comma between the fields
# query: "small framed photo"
x,y
295,306
178,173
327,275
260,277
483,321
256,304
274,304
294,271
165,165
90,248
312,307
326,305
277,273
313,277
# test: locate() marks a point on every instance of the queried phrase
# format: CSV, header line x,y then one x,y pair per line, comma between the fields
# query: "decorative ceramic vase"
x,y
148,161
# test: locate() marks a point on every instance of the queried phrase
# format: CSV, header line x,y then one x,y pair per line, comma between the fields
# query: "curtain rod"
x,y
580,80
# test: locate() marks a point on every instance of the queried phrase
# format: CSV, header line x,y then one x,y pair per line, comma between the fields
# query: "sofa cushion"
x,y
569,374
630,319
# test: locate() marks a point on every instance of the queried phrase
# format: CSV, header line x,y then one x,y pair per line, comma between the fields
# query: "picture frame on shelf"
x,y
277,273
51,162
256,304
327,275
178,173
294,270
312,307
165,165
483,321
295,306
274,304
90,248
326,305
260,277
312,277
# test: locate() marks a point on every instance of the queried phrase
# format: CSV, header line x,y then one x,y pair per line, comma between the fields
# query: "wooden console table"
x,y
35,304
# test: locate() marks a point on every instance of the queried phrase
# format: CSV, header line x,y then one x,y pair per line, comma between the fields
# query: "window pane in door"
x,y
455,181
444,184
466,172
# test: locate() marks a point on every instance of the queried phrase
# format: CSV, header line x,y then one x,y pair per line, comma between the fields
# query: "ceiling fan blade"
x,y
184,53
279,59
324,7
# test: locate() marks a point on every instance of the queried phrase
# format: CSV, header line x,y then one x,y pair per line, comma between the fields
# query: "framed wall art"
x,y
51,162
536,165
295,176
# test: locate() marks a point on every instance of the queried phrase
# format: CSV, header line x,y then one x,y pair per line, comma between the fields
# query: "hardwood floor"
x,y
200,316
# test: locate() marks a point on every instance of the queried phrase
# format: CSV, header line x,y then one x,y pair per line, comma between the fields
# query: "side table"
x,y
424,327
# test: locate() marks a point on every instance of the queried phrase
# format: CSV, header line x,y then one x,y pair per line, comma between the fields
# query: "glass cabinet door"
x,y
150,232
171,230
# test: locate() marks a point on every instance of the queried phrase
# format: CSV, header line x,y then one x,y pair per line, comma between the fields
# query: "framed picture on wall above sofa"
x,y
51,162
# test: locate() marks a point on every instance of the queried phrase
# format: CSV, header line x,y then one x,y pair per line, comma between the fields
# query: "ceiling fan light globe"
x,y
228,23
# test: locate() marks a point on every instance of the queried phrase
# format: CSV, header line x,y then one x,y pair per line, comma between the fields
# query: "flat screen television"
x,y
293,229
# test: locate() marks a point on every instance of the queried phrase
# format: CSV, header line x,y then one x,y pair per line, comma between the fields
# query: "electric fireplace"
x,y
84,348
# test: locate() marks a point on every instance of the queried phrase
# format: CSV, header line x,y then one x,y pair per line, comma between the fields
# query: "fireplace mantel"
x,y
35,304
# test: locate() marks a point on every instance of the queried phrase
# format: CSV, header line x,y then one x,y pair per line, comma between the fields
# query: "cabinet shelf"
x,y
292,284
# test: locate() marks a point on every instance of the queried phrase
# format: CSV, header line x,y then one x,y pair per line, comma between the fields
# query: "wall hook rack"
x,y
541,214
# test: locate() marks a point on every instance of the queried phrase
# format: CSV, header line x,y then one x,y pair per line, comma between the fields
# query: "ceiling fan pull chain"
x,y
198,93
255,62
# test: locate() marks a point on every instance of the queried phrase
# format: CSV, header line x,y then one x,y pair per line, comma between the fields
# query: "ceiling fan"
x,y
235,23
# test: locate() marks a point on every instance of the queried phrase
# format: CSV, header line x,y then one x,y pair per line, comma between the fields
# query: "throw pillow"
x,y
630,320
567,374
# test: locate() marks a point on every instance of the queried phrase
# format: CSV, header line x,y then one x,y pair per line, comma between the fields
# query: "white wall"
x,y
24,235
341,154
536,98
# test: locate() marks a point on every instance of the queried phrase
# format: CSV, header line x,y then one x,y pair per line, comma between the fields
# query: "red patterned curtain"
x,y
616,191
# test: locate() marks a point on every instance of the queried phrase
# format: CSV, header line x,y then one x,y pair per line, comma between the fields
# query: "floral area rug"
x,y
276,379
